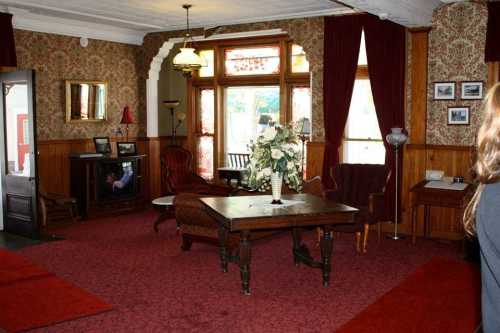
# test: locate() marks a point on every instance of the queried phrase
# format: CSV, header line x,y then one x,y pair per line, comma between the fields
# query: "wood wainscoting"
x,y
54,166
453,160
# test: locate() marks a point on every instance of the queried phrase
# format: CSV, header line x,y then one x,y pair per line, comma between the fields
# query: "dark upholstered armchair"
x,y
197,225
361,186
178,176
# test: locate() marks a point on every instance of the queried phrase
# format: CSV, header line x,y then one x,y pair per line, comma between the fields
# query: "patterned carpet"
x,y
155,287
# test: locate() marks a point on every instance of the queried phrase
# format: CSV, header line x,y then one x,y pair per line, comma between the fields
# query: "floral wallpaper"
x,y
307,32
456,53
56,58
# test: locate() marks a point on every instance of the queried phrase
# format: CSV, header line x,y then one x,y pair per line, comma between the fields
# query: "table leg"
x,y
245,254
223,248
326,254
414,216
296,245
426,221
164,215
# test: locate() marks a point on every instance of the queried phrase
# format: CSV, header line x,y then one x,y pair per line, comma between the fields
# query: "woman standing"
x,y
482,216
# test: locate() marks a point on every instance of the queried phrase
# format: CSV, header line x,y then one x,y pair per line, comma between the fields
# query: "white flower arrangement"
x,y
275,150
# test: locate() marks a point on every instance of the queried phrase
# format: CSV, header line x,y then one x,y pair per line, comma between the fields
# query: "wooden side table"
x,y
232,173
429,197
167,210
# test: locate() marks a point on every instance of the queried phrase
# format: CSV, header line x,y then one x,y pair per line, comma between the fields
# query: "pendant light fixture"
x,y
187,60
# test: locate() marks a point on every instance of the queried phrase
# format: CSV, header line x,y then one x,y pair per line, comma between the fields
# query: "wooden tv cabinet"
x,y
103,187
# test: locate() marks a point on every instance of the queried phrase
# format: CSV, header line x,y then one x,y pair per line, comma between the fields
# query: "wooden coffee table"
x,y
245,214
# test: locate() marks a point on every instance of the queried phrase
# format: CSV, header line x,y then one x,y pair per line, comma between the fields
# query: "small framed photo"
x,y
126,148
472,90
102,145
444,90
458,115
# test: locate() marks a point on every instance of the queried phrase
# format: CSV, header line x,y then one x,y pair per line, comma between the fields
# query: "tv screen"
x,y
116,179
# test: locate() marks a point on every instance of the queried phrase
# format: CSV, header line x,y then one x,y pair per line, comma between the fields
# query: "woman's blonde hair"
x,y
487,166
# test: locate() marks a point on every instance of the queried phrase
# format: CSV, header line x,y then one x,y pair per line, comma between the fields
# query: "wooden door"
x,y
18,160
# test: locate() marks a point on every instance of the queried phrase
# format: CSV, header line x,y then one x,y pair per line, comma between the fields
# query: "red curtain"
x,y
342,42
386,52
7,45
492,51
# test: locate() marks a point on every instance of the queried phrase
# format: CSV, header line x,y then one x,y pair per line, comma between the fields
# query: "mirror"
x,y
86,101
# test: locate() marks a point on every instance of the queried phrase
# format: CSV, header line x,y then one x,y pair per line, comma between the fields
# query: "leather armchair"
x,y
178,176
361,186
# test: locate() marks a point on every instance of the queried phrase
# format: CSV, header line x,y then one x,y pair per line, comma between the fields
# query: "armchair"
x,y
56,207
361,186
177,174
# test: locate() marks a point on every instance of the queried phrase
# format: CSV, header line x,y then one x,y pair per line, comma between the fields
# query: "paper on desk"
x,y
446,186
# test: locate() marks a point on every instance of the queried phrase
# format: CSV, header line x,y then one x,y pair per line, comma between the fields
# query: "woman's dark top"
x,y
488,232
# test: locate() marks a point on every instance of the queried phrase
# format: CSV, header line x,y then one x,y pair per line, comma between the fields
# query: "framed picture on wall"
x,y
102,145
458,115
472,90
126,148
444,90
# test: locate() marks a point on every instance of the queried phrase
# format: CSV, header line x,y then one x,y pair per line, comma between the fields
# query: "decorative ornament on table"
x,y
275,157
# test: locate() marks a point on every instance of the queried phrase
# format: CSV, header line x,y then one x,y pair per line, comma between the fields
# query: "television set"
x,y
116,179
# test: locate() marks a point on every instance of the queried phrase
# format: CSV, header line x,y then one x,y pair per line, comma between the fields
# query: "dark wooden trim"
x,y
420,29
438,147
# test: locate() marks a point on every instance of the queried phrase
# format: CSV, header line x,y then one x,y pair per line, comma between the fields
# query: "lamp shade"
x,y
187,60
396,138
127,116
305,126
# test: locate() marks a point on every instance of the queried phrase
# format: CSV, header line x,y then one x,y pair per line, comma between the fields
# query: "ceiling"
x,y
128,21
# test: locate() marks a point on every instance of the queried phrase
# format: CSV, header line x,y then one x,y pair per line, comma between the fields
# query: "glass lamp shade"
x,y
187,60
305,126
396,138
181,116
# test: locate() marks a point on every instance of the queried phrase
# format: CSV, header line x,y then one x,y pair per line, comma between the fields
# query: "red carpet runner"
x,y
32,297
437,297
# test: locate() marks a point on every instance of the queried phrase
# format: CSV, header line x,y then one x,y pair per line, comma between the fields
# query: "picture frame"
x,y
124,148
459,115
444,91
102,145
470,90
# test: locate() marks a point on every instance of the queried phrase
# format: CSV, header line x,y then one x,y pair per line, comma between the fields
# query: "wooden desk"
x,y
428,197
245,214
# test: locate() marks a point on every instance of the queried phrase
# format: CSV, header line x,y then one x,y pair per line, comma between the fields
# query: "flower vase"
x,y
276,184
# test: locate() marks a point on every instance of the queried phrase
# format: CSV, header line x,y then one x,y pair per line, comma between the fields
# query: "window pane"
x,y
205,153
207,71
252,61
207,111
362,60
367,152
362,122
17,129
248,111
301,104
299,60
301,112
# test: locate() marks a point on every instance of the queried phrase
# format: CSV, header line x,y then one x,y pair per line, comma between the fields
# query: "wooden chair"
x,y
362,186
237,168
56,207
178,176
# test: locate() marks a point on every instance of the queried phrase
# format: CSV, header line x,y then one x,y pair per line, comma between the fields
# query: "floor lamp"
x,y
305,132
396,139
171,105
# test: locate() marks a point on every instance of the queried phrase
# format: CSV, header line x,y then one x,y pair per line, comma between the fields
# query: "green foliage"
x,y
276,150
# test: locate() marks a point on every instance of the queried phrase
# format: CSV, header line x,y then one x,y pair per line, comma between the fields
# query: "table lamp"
x,y
127,119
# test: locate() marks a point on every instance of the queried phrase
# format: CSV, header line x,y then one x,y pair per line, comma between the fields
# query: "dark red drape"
x,y
7,45
492,51
386,52
342,41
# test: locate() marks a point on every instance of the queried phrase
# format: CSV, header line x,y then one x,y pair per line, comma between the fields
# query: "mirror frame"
x,y
67,84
